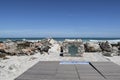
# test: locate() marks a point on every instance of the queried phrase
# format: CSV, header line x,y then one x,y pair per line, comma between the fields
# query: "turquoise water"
x,y
59,39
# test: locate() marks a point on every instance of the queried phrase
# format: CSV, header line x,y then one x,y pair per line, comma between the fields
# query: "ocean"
x,y
62,39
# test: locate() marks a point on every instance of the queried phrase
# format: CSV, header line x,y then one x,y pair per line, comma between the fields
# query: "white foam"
x,y
110,41
33,40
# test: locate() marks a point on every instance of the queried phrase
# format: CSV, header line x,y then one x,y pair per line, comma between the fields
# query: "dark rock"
x,y
2,55
114,45
24,45
92,47
106,46
44,49
118,45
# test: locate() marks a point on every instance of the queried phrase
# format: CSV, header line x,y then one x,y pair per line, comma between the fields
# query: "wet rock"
x,y
27,51
106,46
92,47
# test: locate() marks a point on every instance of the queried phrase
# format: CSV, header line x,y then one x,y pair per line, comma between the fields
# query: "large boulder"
x,y
23,45
115,51
44,49
92,47
106,46
27,51
52,41
2,47
45,42
8,48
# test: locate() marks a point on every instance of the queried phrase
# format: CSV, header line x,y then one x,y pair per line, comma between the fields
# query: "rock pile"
x,y
24,47
106,48
92,47
29,48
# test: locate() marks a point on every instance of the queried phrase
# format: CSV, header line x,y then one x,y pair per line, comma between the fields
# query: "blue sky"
x,y
59,18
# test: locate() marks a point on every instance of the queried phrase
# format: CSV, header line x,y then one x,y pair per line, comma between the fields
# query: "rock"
x,y
109,54
45,45
44,49
54,49
11,48
23,45
118,45
106,46
114,44
82,48
8,48
115,51
92,47
52,41
2,48
27,51
36,44
45,42
2,55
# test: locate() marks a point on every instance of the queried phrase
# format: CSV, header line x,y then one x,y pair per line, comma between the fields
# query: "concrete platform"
x,y
55,70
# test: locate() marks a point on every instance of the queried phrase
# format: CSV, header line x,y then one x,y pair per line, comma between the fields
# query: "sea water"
x,y
62,39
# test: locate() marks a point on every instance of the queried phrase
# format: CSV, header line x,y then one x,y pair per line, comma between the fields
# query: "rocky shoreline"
x,y
16,57
30,48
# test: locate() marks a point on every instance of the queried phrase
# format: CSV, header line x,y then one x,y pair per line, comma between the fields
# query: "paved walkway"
x,y
55,70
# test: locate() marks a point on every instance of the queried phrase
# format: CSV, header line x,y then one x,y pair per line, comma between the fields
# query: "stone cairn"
x,y
76,43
